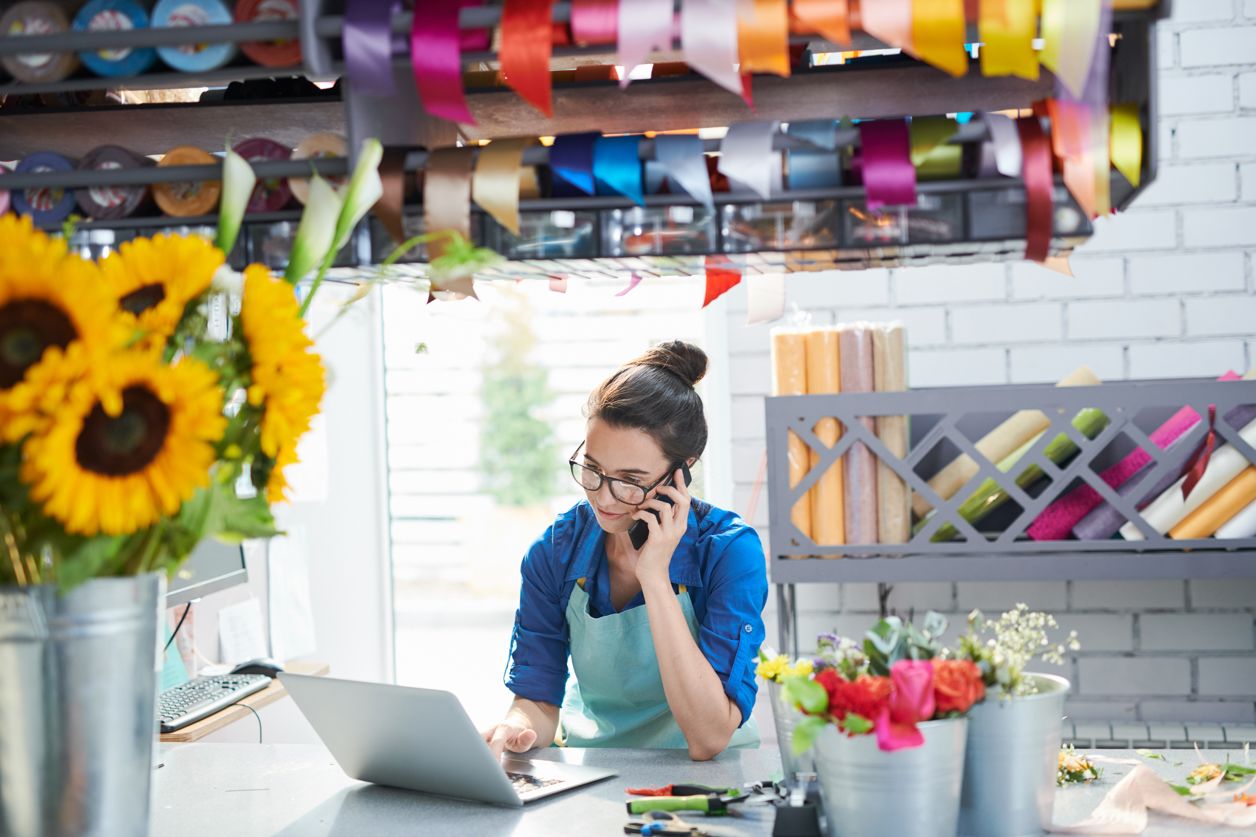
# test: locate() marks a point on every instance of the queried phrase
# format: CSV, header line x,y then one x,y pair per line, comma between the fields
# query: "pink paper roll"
x,y
859,466
1058,519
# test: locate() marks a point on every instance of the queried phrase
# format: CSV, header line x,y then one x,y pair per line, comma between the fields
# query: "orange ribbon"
x,y
763,36
526,46
827,18
938,34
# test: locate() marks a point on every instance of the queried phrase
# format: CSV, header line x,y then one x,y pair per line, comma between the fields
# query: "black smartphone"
x,y
639,532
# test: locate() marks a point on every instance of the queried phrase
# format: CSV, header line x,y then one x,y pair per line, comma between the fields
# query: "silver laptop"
x,y
422,739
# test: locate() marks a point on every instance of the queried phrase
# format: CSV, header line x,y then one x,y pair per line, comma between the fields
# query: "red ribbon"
x,y
527,42
720,278
595,21
1039,187
1199,461
888,174
436,58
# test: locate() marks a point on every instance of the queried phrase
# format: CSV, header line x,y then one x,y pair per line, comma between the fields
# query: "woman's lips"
x,y
609,515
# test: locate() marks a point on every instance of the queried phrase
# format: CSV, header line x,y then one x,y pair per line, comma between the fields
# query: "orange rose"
x,y
956,685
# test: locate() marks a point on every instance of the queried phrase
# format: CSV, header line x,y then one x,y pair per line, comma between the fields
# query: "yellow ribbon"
x,y
1127,143
933,156
1101,162
1007,29
495,186
938,34
763,36
1069,29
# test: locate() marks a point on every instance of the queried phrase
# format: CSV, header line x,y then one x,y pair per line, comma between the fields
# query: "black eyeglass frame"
x,y
646,489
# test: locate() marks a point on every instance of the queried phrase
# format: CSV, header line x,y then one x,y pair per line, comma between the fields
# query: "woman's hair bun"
x,y
684,360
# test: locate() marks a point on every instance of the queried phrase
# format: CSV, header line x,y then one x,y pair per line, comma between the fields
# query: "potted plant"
x,y
775,669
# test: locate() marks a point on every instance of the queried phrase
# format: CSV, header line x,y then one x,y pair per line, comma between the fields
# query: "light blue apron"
x,y
617,698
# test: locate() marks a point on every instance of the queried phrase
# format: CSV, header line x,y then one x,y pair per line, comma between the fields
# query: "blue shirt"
x,y
719,560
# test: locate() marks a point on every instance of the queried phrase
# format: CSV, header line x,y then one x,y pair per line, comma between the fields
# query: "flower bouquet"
x,y
775,669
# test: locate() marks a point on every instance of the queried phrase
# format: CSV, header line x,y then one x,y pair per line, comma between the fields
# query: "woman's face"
x,y
625,453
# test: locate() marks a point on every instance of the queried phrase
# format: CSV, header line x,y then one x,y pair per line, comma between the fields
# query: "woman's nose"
x,y
604,496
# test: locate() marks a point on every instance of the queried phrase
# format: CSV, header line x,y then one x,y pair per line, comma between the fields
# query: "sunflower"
x,y
288,380
117,457
153,279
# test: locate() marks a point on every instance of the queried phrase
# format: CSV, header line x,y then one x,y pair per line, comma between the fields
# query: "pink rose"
x,y
911,701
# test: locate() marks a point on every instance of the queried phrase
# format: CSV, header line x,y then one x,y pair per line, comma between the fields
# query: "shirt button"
x,y
747,629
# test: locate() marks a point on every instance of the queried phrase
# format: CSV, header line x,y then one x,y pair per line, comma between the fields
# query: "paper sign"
x,y
240,634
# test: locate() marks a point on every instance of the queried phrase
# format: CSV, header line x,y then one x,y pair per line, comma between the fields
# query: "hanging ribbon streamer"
x,y
683,159
765,297
617,168
632,283
644,25
526,45
763,36
933,156
1007,29
814,169
571,160
367,43
1200,459
938,33
1006,143
1127,142
827,18
473,40
388,209
595,22
1101,161
1069,28
436,59
1039,200
746,156
889,21
721,277
558,284
1095,95
885,153
1079,177
495,186
708,34
447,195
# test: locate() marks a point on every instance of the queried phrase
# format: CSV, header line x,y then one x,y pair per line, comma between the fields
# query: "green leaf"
x,y
935,624
1237,772
805,732
1150,754
244,518
317,231
238,180
89,560
856,724
1181,790
805,692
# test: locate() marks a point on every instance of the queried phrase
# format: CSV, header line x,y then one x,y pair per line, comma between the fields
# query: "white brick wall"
x,y
1167,288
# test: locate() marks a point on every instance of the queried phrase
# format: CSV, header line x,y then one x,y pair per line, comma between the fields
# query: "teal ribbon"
x,y
617,168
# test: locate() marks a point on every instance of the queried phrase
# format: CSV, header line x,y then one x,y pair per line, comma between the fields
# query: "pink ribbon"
x,y
436,58
595,21
888,175
708,32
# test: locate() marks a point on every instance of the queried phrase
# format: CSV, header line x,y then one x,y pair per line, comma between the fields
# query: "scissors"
x,y
665,823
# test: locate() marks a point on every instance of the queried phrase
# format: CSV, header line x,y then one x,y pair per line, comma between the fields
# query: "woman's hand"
x,y
665,532
509,735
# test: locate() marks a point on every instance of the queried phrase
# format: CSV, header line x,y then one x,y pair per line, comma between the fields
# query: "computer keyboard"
x,y
525,783
181,705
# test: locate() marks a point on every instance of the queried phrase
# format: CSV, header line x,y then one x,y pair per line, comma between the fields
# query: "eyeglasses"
x,y
624,491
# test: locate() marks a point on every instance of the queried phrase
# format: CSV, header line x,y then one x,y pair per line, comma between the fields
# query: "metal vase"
x,y
1010,770
905,793
78,685
786,718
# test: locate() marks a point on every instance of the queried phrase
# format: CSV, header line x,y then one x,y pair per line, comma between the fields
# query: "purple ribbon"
x,y
367,41
888,175
571,159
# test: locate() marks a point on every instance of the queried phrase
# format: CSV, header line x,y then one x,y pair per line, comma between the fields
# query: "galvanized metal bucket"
x,y
786,718
78,685
1010,769
906,793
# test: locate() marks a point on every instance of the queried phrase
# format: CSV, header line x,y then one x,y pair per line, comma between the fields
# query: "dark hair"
x,y
655,393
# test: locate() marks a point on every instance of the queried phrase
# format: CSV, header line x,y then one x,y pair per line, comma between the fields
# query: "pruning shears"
x,y
712,804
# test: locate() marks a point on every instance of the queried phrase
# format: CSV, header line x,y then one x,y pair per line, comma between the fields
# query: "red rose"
x,y
864,697
957,685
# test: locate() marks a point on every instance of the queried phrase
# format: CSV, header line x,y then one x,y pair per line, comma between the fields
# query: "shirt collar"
x,y
590,540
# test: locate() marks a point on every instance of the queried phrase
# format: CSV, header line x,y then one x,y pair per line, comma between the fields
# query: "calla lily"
x,y
238,180
317,231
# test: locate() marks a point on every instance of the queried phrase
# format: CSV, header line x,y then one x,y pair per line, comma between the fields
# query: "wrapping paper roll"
x,y
996,445
185,199
112,201
1235,496
316,147
789,377
860,466
194,58
828,524
113,15
1242,525
47,206
889,368
270,53
270,194
36,17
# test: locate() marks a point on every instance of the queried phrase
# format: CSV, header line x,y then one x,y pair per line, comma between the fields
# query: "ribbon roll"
x,y
708,34
885,154
318,146
495,186
1069,29
571,160
367,43
1006,141
1126,141
111,202
47,206
99,15
270,194
36,17
436,60
1039,185
391,204
194,58
746,156
595,22
763,36
1007,29
184,199
814,169
889,21
285,53
938,33
526,45
683,159
617,167
644,25
933,156
447,196
827,18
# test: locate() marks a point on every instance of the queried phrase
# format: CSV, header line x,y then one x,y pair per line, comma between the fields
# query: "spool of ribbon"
x,y
827,18
317,147
617,168
392,199
367,43
436,59
644,25
185,199
1200,459
1069,30
763,36
113,15
447,195
495,186
285,53
1039,197
194,58
1007,29
594,22
814,169
889,21
721,277
110,202
682,158
938,34
271,194
526,46
746,156
571,160
47,206
36,17
934,157
885,161
1127,142
708,34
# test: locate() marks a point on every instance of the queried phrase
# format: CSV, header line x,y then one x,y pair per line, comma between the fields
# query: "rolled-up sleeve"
x,y
537,665
732,629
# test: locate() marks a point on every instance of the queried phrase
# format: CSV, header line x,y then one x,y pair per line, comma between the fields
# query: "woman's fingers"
x,y
522,741
499,739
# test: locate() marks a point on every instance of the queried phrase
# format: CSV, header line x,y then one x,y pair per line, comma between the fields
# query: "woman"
x,y
662,639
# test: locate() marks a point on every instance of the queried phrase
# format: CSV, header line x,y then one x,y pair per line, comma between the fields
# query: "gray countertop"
x,y
288,789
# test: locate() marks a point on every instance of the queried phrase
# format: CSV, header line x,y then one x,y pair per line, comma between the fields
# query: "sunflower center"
x,y
27,328
141,299
124,444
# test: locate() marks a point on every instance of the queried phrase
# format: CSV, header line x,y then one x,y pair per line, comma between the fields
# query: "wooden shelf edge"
x,y
223,717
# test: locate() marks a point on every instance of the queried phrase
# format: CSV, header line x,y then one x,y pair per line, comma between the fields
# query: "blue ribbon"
x,y
571,159
815,169
617,168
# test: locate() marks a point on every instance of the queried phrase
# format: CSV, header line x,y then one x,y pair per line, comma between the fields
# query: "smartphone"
x,y
640,530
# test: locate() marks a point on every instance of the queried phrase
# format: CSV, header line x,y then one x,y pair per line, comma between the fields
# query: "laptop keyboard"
x,y
525,783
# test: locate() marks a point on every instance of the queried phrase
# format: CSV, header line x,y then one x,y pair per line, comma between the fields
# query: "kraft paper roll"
x,y
194,58
789,377
1242,525
112,201
828,525
1235,496
101,15
1167,510
37,18
996,445
316,147
46,205
270,53
859,465
889,367
185,199
270,194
